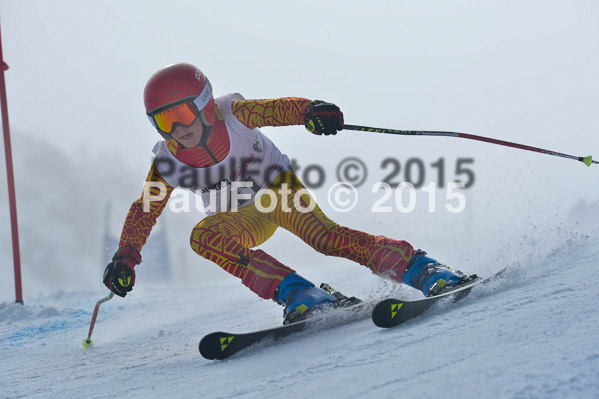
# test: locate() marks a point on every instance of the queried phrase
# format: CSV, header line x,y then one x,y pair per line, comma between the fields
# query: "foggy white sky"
x,y
519,71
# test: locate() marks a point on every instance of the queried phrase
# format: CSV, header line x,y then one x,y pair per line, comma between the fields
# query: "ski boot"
x,y
300,297
431,277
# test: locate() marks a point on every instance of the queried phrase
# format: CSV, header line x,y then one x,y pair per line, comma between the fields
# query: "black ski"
x,y
392,312
220,345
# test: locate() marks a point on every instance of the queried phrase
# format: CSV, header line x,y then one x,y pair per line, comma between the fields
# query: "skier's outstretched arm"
x,y
119,275
319,117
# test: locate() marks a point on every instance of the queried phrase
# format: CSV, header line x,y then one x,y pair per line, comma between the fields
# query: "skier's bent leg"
x,y
226,239
391,258
384,256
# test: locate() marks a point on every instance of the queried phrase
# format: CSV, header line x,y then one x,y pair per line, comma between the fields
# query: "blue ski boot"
x,y
431,277
300,297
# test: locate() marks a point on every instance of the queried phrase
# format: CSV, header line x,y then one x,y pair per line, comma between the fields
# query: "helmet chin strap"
x,y
165,136
207,131
204,139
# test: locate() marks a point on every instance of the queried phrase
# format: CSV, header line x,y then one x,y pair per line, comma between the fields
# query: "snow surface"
x,y
531,335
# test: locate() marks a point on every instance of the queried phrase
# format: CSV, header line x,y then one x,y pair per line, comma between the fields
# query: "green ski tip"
x,y
587,160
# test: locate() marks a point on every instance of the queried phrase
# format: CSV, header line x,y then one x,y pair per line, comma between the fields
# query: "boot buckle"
x,y
436,287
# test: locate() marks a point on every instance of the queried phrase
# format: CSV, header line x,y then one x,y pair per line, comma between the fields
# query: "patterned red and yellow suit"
x,y
228,238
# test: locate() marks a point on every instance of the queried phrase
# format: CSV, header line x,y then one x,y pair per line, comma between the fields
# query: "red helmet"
x,y
177,84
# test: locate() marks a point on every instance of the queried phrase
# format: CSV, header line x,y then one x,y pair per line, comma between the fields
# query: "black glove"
x,y
119,275
323,118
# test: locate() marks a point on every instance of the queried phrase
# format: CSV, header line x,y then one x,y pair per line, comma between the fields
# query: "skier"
x,y
211,146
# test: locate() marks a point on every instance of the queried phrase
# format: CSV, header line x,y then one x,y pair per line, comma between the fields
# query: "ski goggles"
x,y
184,113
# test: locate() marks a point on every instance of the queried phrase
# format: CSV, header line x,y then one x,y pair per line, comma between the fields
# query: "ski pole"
x,y
586,160
87,342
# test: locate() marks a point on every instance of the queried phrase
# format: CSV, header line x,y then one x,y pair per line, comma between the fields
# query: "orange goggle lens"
x,y
185,114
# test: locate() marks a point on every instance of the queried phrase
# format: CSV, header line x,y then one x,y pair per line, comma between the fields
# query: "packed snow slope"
x,y
531,335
